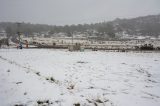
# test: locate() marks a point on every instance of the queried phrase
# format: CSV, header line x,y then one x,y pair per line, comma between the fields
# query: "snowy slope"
x,y
35,77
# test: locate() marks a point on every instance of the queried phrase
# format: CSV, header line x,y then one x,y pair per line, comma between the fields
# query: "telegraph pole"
x,y
18,31
72,38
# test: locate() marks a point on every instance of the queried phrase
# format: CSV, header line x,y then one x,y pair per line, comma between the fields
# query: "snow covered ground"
x,y
35,77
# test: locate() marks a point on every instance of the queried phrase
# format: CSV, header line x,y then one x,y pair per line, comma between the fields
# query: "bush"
x,y
147,47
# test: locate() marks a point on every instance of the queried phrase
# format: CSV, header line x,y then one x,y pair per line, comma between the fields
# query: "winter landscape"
x,y
47,77
79,52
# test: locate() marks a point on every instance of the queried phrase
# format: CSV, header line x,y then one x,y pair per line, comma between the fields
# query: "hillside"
x,y
145,26
148,25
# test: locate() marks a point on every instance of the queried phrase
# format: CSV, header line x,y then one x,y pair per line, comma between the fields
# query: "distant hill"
x,y
146,26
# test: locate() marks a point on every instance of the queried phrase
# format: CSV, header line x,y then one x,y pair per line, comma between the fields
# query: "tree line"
x,y
147,25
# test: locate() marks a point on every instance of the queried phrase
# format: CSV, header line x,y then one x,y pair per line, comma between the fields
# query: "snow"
x,y
87,78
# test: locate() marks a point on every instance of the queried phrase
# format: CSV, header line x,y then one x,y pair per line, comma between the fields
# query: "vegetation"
x,y
147,47
148,25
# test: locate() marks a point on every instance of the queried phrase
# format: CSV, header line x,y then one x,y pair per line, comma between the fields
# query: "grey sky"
x,y
60,12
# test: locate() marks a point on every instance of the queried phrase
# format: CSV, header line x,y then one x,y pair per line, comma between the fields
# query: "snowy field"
x,y
47,77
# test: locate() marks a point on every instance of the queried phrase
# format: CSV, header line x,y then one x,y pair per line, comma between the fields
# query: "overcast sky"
x,y
61,12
